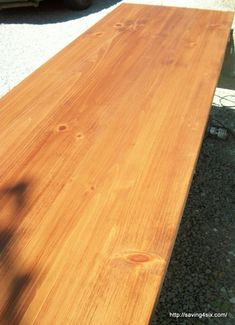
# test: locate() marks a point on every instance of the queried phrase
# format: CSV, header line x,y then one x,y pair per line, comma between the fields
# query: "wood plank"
x,y
98,148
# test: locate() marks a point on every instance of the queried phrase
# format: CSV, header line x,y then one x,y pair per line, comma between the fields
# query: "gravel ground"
x,y
200,276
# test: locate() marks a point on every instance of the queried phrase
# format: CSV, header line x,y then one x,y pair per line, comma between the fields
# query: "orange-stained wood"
x,y
98,148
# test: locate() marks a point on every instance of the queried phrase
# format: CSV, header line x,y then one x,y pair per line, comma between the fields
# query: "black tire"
x,y
78,4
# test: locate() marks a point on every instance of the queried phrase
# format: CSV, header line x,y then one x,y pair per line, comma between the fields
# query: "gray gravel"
x,y
200,276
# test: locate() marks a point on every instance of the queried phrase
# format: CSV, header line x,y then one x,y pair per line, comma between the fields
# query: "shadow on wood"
x,y
13,281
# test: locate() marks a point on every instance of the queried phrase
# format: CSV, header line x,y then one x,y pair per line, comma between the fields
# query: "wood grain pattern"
x,y
98,148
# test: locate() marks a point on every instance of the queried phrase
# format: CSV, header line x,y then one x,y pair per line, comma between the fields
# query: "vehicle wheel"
x,y
78,4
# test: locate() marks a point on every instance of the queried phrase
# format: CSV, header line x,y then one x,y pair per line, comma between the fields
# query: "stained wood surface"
x,y
98,148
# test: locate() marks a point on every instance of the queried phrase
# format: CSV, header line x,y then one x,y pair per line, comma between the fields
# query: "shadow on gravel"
x,y
50,12
227,76
200,277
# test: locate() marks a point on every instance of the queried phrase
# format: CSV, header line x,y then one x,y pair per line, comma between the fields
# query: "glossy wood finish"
x,y
98,148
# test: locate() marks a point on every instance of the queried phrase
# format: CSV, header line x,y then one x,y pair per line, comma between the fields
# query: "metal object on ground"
x,y
217,132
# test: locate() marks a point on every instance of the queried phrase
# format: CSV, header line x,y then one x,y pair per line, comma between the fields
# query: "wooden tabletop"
x,y
98,149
